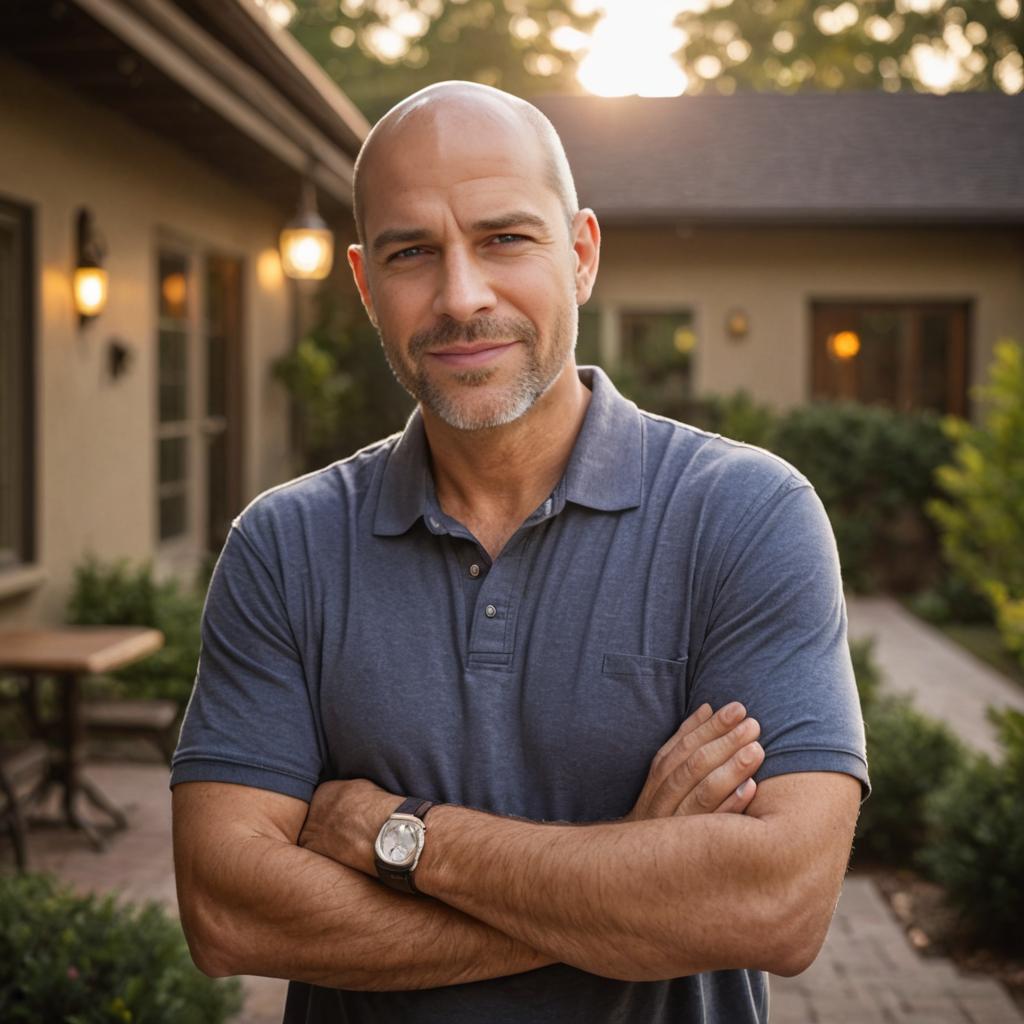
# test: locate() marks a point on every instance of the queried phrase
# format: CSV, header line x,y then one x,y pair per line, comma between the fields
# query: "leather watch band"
x,y
402,878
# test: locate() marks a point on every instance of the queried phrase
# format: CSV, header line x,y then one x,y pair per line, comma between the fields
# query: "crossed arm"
x,y
270,886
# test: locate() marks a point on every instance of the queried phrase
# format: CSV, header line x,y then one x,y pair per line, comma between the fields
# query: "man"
x,y
508,611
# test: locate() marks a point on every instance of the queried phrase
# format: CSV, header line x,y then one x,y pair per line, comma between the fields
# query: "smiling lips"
x,y
462,356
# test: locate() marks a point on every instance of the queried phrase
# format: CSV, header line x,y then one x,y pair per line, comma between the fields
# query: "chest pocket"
x,y
642,666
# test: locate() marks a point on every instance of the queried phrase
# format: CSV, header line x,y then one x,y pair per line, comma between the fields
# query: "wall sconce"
x,y
307,244
737,324
90,279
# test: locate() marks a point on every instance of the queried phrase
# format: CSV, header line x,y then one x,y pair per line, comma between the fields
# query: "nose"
x,y
464,289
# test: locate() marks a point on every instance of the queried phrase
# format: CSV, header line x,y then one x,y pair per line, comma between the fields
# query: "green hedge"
x,y
117,594
85,960
975,844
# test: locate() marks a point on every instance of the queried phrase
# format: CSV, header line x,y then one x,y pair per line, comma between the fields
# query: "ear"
x,y
586,246
358,265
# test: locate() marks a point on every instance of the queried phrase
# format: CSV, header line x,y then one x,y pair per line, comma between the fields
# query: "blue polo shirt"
x,y
353,629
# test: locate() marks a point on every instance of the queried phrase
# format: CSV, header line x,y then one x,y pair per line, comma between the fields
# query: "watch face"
x,y
399,842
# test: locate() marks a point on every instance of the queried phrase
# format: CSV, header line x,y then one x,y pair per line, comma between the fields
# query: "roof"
x,y
832,158
217,78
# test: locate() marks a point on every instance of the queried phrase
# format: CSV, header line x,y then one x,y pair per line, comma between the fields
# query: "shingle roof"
x,y
806,158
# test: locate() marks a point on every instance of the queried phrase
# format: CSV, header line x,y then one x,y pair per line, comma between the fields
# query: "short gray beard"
x,y
534,381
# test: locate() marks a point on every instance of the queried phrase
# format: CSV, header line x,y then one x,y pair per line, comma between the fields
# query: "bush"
x,y
982,515
85,960
115,594
976,848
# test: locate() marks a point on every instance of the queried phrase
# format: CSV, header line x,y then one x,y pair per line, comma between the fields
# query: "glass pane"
x,y
878,362
932,387
173,520
216,376
218,512
588,344
173,376
173,287
659,344
173,460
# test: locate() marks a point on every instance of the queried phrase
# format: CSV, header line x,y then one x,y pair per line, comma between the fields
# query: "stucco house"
x,y
178,135
862,245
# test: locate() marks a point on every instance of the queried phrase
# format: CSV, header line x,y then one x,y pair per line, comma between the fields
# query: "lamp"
x,y
737,324
307,245
90,279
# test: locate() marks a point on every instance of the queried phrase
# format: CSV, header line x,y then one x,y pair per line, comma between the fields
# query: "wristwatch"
x,y
399,844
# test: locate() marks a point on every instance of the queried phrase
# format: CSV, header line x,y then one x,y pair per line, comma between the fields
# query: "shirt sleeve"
x,y
250,719
776,637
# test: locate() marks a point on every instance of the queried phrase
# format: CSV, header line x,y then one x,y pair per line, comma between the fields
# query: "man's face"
x,y
469,268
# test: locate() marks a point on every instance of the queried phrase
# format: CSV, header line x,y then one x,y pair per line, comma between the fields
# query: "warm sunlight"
x,y
632,50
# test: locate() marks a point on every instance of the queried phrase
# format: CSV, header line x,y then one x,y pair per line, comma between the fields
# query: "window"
x,y
198,398
907,356
17,478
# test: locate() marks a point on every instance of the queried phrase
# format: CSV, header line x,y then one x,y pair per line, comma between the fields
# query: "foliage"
x,y
742,418
873,469
523,46
981,517
116,594
909,755
345,394
951,599
976,849
85,960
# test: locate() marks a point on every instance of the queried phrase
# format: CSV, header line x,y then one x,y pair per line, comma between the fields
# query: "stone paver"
x,y
946,681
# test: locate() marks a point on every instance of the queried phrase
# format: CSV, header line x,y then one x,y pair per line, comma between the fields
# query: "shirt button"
x,y
490,611
474,570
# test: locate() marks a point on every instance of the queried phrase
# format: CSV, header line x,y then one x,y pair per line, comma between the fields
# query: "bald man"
x,y
541,710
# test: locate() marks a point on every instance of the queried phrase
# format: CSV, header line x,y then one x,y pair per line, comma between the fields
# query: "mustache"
x,y
484,328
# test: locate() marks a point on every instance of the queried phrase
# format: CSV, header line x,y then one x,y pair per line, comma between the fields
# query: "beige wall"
x,y
775,275
95,441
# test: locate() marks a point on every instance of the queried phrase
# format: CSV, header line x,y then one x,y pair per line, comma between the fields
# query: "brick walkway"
x,y
867,972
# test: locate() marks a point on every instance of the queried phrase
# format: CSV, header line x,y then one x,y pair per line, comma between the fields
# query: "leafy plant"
x,y
116,594
976,849
981,516
87,960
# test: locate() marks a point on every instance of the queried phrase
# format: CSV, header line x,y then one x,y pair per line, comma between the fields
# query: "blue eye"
x,y
403,254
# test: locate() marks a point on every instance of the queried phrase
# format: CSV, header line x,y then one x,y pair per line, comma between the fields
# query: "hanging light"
x,y
90,279
307,244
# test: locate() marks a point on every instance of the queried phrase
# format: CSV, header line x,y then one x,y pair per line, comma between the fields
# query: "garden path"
x,y
945,681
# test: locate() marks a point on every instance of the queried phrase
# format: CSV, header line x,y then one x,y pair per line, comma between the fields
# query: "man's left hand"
x,y
344,818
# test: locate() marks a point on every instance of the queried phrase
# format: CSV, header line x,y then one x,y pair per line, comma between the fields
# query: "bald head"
x,y
470,105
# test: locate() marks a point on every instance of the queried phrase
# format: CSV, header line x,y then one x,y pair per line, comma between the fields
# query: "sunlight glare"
x,y
632,50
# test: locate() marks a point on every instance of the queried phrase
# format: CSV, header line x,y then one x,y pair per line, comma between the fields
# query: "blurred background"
x,y
813,219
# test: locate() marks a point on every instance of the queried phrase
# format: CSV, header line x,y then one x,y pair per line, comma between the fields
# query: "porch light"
x,y
90,279
843,345
307,244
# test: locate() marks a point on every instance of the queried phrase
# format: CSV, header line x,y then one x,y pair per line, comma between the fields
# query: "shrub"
x,y
90,961
873,470
115,594
976,848
981,516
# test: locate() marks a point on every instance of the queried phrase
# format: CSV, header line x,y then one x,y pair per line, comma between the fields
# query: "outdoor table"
x,y
67,653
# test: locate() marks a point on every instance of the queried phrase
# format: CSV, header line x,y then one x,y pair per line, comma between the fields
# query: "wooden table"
x,y
68,653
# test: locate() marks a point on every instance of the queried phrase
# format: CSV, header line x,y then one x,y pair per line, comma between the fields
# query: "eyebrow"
x,y
516,218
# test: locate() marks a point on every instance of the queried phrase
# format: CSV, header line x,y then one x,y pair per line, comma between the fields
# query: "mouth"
x,y
476,354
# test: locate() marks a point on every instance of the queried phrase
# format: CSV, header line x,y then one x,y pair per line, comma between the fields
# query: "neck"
x,y
492,480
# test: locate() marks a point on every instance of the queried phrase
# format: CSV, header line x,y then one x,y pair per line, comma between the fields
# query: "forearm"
x,y
257,904
639,901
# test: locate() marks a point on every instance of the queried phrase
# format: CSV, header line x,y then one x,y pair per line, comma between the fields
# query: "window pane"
x,y
173,460
934,364
173,287
658,344
173,522
588,344
878,362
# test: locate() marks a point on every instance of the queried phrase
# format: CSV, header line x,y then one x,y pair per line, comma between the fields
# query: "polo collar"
x,y
605,470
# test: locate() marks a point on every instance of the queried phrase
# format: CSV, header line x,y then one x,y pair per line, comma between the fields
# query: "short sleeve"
x,y
776,638
250,719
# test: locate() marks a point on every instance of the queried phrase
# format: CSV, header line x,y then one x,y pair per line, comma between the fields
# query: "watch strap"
x,y
402,878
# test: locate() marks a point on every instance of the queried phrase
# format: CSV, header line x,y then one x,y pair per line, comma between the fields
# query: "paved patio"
x,y
867,972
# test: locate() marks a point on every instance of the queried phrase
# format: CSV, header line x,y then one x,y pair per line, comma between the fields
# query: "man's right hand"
x,y
706,766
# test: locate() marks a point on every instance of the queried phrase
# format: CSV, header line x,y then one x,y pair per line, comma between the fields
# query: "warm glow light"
x,y
174,289
307,253
268,270
684,340
632,51
844,345
90,286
